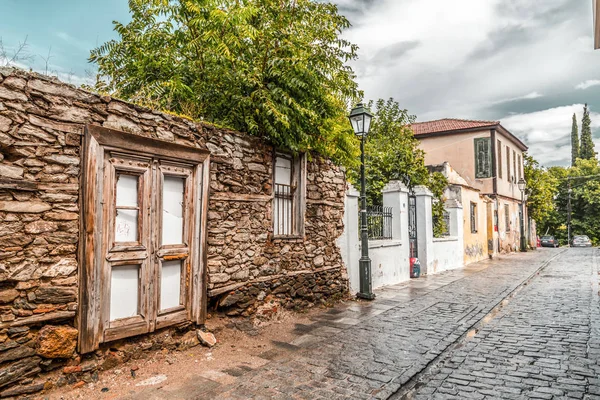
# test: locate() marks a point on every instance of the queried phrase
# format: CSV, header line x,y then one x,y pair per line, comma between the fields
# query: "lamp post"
x,y
360,118
522,185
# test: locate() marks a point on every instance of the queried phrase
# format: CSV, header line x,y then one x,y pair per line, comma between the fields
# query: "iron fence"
x,y
379,222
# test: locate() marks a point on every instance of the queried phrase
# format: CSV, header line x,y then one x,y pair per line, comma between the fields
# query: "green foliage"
x,y
275,69
586,150
392,153
574,141
542,187
584,181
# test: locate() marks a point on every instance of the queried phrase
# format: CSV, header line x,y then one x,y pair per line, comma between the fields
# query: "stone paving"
x,y
371,350
543,344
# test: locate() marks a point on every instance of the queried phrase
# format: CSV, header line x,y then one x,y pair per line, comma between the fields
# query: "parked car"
x,y
549,241
581,241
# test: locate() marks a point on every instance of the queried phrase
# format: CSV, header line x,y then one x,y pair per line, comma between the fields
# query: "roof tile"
x,y
449,124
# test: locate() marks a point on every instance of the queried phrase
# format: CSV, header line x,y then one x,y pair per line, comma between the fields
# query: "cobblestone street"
x,y
544,344
416,340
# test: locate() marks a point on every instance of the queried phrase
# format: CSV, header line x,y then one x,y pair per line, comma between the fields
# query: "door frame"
x,y
97,142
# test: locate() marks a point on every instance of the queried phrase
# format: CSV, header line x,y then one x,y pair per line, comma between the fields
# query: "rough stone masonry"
x,y
41,126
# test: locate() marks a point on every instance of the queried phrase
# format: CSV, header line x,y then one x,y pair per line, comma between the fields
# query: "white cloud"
x,y
587,84
529,96
548,132
477,59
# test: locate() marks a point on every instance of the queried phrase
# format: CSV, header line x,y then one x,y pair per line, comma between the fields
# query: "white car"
x,y
581,241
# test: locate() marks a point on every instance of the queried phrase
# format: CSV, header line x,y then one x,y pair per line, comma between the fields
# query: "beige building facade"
x,y
475,210
489,159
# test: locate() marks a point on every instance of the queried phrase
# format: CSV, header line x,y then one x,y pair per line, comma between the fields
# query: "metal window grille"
x,y
379,222
284,210
507,218
446,217
473,218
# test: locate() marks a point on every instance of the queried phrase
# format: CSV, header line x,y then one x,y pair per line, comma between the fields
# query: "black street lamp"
x,y
522,186
360,118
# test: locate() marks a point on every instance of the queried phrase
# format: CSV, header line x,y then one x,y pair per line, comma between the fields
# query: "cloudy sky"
x,y
527,63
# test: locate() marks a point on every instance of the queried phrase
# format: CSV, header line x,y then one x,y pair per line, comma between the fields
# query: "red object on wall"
x,y
415,268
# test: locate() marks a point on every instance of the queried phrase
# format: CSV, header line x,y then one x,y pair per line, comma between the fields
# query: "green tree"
x,y
586,150
574,141
392,153
584,181
542,187
275,69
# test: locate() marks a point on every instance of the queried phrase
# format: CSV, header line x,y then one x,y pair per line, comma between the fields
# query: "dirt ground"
x,y
236,352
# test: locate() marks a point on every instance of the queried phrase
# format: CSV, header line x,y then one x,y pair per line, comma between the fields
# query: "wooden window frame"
x,y
483,169
298,184
99,146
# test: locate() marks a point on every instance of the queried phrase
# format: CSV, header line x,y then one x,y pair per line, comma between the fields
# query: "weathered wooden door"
x,y
143,243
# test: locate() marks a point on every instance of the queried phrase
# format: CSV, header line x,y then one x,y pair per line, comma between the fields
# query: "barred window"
x,y
507,218
473,217
288,201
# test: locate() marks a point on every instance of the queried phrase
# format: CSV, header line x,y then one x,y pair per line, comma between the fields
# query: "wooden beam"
x,y
114,139
34,319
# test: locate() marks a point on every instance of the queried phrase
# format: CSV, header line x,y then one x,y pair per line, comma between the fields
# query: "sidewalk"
x,y
367,350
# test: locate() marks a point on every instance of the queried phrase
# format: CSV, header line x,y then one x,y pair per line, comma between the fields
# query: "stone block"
x,y
55,294
41,226
206,338
34,207
18,370
16,353
56,341
8,295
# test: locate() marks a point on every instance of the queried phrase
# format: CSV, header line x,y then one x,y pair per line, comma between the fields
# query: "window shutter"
x,y
483,158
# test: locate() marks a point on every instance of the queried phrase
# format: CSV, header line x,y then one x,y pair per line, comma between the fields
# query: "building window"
x,y
288,198
506,218
483,158
520,165
473,217
508,178
499,159
141,235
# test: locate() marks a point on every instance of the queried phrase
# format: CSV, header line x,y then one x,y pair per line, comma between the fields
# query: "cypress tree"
x,y
574,141
586,151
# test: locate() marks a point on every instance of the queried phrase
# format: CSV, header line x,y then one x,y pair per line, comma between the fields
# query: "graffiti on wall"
x,y
474,250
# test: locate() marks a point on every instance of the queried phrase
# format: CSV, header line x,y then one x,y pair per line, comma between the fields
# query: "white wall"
x,y
448,254
349,242
390,263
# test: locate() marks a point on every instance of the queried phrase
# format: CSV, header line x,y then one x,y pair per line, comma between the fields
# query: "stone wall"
x,y
41,127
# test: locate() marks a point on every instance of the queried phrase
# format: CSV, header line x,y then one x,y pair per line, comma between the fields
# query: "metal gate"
x,y
412,226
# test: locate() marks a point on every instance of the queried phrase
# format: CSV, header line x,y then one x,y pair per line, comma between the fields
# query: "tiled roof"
x,y
449,124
